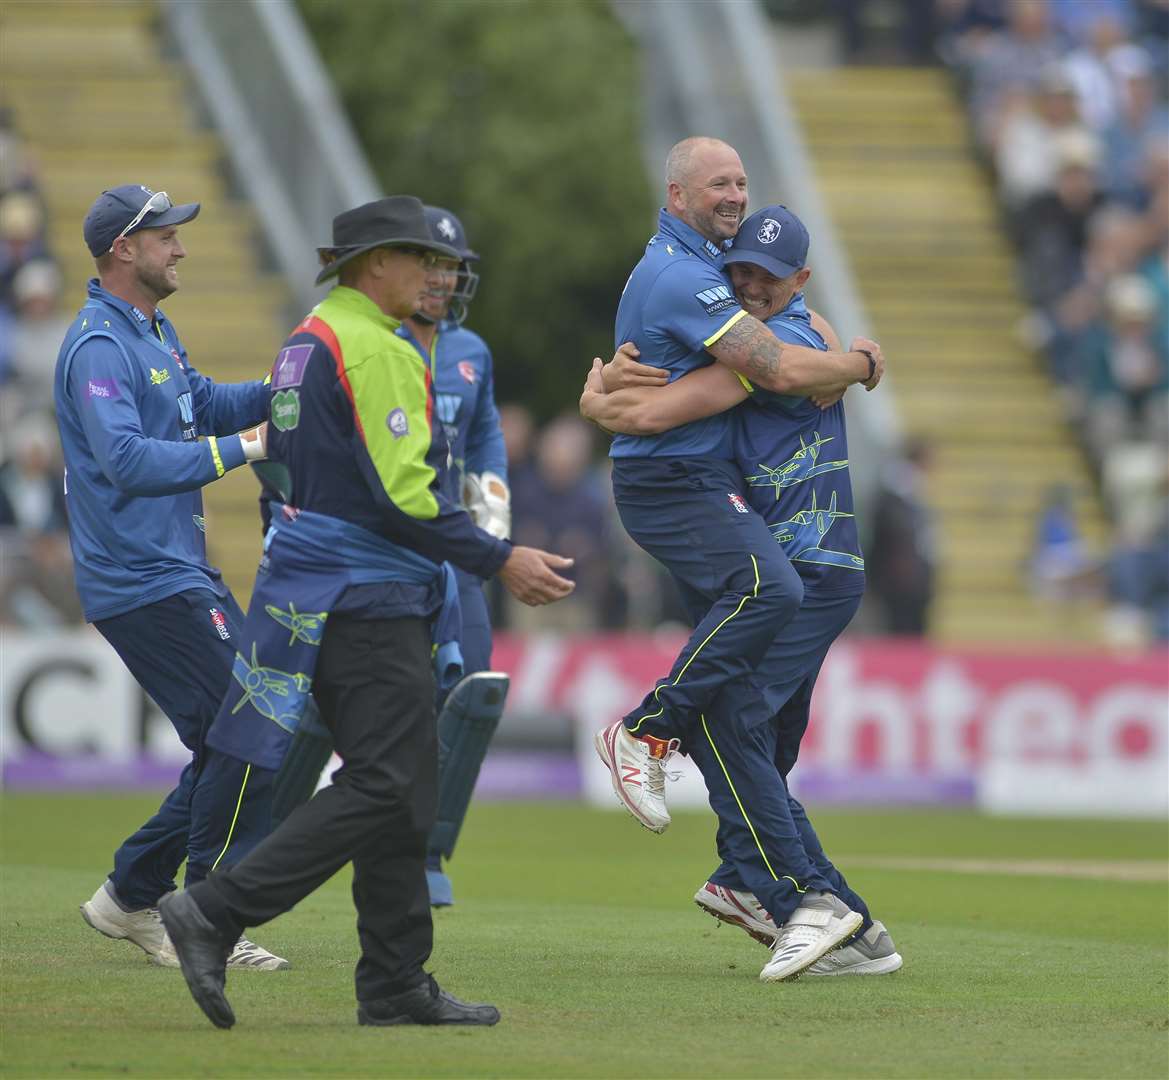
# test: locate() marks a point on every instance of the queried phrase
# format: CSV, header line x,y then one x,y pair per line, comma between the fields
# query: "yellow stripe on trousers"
x,y
743,810
746,597
234,817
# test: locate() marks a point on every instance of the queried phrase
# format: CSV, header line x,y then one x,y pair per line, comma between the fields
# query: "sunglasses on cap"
x,y
158,203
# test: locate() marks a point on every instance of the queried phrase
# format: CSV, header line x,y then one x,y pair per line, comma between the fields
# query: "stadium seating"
x,y
99,103
919,220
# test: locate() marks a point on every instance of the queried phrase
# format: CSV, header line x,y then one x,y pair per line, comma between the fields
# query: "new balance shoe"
x,y
816,927
245,955
637,770
107,916
873,953
741,909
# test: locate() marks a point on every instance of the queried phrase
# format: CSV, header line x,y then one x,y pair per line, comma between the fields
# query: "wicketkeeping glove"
x,y
488,501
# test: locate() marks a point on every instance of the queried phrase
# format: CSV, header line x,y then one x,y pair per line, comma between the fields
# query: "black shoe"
x,y
425,1003
202,953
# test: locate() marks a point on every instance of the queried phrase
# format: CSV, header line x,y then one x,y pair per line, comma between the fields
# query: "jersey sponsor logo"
x,y
178,359
289,367
720,298
397,423
103,388
157,378
186,416
220,624
737,503
447,407
139,315
467,370
286,409
712,248
769,231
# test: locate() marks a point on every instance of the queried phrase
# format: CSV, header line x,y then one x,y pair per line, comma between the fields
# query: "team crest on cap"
x,y
769,231
447,228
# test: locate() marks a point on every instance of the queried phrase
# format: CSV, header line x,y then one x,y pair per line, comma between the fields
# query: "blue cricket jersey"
x,y
676,304
464,401
794,460
131,410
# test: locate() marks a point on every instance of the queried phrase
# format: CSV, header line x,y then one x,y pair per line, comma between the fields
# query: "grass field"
x,y
1031,948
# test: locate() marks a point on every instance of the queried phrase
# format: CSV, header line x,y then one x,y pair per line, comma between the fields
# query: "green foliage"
x,y
520,116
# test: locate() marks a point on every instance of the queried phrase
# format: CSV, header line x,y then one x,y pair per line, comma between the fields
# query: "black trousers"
x,y
375,689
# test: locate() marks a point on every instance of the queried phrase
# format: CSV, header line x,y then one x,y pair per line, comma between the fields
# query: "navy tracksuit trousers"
x,y
747,743
690,515
221,807
738,695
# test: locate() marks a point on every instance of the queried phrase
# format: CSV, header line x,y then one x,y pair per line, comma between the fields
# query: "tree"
x,y
521,117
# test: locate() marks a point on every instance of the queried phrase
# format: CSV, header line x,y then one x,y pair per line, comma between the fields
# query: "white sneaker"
x,y
637,770
143,927
873,953
741,909
246,954
816,927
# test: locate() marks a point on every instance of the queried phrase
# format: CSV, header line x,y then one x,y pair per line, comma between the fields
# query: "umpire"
x,y
347,599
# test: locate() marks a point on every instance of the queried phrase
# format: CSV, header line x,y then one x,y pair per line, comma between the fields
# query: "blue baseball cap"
x,y
448,229
773,238
123,210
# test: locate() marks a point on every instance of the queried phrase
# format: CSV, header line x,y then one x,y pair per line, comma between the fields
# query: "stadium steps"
x,y
100,102
919,220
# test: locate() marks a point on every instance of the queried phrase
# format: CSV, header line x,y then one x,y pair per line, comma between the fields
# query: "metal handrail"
x,y
291,145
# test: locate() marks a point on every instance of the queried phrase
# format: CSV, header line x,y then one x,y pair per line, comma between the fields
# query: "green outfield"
x,y
1032,948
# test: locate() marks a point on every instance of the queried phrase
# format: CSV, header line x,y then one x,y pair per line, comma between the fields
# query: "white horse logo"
x,y
769,231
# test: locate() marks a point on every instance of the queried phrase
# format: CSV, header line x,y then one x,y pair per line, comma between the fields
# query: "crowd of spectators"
x,y
1068,103
36,580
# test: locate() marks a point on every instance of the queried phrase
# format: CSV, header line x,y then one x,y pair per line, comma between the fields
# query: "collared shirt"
x,y
133,413
676,304
794,460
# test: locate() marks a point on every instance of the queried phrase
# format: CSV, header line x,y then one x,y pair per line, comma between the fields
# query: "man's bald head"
x,y
680,159
706,187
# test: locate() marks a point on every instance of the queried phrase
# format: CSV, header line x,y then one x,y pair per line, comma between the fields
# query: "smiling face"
x,y
156,253
440,286
710,195
761,293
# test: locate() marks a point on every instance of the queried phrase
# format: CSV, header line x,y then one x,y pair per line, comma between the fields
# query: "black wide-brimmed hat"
x,y
396,221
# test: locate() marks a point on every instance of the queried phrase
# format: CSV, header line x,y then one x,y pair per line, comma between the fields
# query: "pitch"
x,y
1032,948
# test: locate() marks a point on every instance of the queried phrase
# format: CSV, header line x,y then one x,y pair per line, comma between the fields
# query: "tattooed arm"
x,y
752,350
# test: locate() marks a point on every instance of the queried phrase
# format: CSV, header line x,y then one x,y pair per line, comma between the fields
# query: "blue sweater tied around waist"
x,y
309,561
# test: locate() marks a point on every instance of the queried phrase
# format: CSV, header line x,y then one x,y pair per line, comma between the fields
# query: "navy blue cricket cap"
x,y
114,209
773,238
448,229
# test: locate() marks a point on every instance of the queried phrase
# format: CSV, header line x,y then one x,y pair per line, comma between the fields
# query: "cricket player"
x,y
464,401
774,879
142,431
678,493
